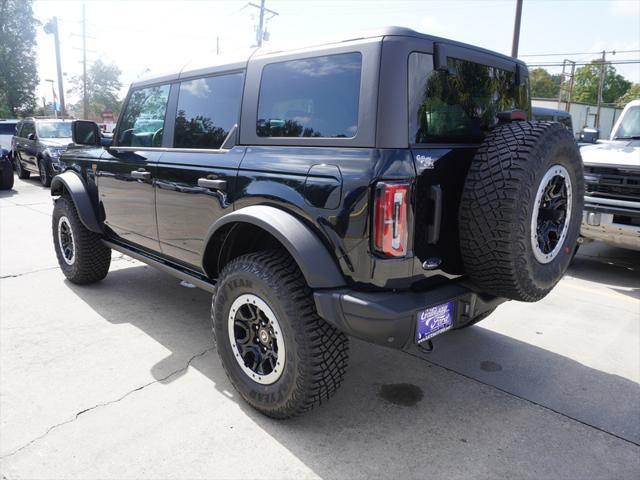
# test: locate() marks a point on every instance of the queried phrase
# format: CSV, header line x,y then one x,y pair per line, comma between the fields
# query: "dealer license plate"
x,y
433,321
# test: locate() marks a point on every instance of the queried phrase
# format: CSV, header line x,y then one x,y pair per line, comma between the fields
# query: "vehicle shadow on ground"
x,y
372,426
617,268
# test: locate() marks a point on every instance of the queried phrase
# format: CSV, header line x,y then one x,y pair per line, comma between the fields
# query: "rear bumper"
x,y
389,318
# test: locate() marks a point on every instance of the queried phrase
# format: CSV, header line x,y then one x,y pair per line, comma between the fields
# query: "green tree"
x,y
103,89
632,94
543,84
585,89
18,72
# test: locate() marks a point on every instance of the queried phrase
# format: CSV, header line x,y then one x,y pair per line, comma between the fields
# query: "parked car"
x,y
37,146
542,114
6,170
7,131
373,187
612,181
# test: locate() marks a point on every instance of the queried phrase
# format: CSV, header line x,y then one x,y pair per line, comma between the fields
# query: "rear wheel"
x,y
81,255
520,210
23,173
279,354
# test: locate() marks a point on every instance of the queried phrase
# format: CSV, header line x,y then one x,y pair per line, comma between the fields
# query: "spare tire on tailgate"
x,y
521,209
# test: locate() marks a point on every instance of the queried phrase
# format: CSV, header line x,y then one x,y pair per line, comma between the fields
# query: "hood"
x,y
55,142
614,152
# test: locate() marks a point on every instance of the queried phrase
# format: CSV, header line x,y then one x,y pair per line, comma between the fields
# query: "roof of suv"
x,y
239,60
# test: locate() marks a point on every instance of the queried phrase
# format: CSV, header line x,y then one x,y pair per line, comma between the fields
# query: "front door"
x,y
127,171
196,177
27,145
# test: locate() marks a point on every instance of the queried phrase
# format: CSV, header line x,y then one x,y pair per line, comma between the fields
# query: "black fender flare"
x,y
72,183
312,256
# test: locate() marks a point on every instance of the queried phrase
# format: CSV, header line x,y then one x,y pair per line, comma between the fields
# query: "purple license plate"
x,y
434,320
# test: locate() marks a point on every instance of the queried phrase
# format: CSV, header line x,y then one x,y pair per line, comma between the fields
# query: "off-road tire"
x,y
316,353
23,174
497,207
474,320
6,177
44,171
92,258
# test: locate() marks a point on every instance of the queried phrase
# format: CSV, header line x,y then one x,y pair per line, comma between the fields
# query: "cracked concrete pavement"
x,y
121,380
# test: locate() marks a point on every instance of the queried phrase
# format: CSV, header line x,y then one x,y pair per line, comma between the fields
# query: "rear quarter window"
x,y
312,97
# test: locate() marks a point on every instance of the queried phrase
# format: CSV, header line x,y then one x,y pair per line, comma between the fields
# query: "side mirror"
x,y
31,136
84,132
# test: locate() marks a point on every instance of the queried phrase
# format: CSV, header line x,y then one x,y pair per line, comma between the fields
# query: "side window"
x,y
27,128
566,121
207,110
143,119
313,97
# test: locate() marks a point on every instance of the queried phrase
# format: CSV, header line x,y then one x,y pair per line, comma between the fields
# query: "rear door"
x,y
196,176
126,172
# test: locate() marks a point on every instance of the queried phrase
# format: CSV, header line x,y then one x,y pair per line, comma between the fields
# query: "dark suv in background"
x,y
37,146
7,131
389,187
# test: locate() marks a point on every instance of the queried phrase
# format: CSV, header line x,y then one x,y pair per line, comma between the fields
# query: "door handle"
x,y
141,174
212,184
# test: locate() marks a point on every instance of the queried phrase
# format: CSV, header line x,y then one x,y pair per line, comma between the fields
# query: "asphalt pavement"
x,y
121,380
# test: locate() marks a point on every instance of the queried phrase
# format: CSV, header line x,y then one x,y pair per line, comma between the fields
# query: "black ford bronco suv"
x,y
388,187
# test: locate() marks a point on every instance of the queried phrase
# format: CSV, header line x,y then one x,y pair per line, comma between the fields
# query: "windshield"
x,y
54,129
629,126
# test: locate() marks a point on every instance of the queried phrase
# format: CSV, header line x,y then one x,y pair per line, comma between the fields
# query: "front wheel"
x,y
279,354
45,174
81,255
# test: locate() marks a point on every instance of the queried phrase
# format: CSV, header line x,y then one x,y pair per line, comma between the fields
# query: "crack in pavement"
x,y
121,257
110,402
533,402
16,275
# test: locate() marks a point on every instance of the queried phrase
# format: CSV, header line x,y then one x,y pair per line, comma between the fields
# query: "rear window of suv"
x,y
7,128
459,105
311,97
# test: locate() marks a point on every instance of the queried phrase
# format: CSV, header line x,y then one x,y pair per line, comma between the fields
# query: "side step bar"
x,y
172,269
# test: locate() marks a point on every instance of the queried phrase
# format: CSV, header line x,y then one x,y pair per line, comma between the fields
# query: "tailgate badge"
x,y
425,162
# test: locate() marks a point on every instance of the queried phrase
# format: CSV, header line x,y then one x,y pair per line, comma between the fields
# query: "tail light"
x,y
390,229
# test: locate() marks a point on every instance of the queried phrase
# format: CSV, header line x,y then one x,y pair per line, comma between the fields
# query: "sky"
x,y
149,36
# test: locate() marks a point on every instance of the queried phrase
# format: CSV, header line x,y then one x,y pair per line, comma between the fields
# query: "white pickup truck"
x,y
612,184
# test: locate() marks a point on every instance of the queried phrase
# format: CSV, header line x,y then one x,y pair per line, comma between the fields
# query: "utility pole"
x,y
85,101
516,29
261,21
600,87
52,27
566,92
53,100
260,31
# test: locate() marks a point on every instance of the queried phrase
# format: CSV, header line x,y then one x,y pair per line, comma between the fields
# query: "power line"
x,y
594,62
613,52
